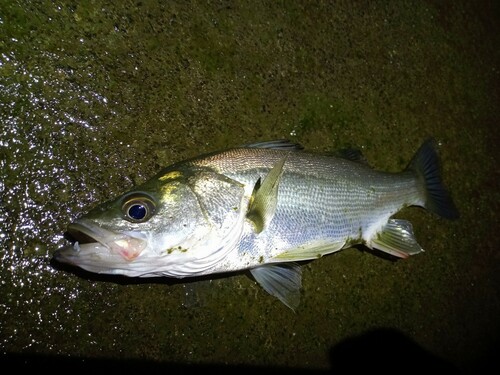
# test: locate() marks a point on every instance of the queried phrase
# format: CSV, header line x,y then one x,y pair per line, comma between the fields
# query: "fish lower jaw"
x,y
127,249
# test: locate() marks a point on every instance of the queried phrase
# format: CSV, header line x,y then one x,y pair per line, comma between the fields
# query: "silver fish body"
x,y
264,208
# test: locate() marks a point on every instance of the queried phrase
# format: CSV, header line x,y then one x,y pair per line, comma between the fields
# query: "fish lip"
x,y
85,232
91,241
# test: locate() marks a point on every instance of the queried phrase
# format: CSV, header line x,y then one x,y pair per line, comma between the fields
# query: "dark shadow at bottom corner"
x,y
388,351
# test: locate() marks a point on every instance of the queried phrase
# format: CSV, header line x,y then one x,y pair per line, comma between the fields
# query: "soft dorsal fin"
x,y
281,280
279,144
265,198
352,154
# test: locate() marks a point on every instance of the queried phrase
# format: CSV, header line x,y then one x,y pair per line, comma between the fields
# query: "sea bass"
x,y
264,207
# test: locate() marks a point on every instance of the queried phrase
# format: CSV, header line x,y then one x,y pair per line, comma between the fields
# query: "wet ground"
x,y
96,97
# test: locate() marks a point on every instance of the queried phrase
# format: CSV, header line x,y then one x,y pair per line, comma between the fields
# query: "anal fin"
x,y
397,238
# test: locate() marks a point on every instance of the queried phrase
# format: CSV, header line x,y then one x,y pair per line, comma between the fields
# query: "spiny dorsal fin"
x,y
279,144
265,198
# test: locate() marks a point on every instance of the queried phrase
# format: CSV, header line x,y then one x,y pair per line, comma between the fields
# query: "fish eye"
x,y
138,209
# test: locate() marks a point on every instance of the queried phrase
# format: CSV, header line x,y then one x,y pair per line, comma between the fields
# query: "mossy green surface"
x,y
97,96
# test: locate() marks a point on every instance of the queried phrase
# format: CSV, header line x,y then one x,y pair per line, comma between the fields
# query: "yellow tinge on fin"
x,y
265,198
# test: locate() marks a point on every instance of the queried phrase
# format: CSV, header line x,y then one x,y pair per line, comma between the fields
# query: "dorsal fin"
x,y
352,154
279,144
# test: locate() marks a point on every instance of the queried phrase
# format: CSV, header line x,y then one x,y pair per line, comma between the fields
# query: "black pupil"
x,y
137,211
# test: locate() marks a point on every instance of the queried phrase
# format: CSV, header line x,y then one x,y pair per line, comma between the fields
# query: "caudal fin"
x,y
426,164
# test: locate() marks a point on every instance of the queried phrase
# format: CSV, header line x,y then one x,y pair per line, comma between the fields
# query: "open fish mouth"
x,y
95,247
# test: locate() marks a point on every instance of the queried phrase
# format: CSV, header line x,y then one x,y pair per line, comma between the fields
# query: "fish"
x,y
264,208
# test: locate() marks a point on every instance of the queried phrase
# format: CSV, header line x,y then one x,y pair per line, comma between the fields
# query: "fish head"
x,y
173,225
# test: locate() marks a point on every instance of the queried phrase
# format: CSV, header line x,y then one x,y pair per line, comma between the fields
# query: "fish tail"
x,y
426,165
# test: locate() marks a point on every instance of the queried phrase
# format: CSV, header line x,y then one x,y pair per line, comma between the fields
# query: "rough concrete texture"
x,y
97,96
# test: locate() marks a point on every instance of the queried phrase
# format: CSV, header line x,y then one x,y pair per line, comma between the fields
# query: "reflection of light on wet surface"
x,y
48,109
41,105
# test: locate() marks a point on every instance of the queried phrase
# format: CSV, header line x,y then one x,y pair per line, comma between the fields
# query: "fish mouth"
x,y
84,233
98,249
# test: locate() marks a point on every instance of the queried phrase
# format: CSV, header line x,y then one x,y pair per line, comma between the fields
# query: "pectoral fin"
x,y
264,198
281,280
397,238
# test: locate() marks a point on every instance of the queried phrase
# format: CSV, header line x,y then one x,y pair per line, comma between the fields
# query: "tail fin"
x,y
426,164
